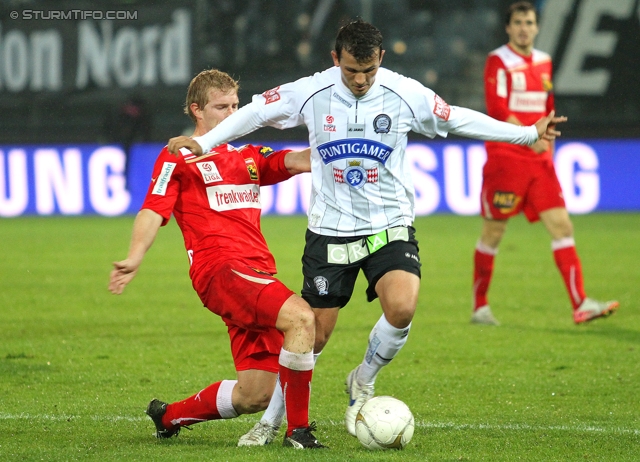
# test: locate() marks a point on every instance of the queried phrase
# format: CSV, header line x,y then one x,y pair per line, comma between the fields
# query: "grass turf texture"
x,y
79,365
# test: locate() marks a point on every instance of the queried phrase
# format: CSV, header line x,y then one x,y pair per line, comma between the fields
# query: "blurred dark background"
x,y
67,74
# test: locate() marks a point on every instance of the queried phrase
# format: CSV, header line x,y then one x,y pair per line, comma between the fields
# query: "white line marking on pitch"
x,y
420,424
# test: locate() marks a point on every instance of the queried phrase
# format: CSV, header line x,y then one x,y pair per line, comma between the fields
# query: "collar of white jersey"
x,y
345,90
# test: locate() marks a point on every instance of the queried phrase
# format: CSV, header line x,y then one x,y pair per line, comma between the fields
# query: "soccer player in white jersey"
x,y
362,202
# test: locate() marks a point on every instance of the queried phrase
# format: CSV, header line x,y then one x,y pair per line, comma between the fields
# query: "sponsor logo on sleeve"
x,y
329,123
441,108
210,173
501,86
162,181
266,151
252,168
227,197
382,123
271,96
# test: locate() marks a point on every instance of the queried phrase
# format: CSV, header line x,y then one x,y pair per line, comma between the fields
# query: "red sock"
x,y
197,408
482,272
568,264
296,388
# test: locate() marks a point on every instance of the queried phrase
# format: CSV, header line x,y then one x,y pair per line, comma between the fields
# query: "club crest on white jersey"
x,y
382,123
355,175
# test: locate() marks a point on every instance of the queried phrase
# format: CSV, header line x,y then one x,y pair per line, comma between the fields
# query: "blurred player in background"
x,y
516,179
216,202
361,212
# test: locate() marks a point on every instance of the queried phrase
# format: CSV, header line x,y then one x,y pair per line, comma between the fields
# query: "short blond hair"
x,y
200,85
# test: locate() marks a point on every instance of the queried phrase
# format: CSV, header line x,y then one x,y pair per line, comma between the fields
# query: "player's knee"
x,y
296,315
400,317
320,342
308,319
303,317
253,401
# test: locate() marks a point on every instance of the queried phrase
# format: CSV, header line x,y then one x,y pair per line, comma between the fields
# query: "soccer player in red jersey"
x,y
215,199
516,178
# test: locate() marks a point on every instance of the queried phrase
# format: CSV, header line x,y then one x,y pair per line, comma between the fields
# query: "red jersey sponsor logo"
x,y
528,101
252,168
209,171
441,108
231,197
505,201
518,81
271,96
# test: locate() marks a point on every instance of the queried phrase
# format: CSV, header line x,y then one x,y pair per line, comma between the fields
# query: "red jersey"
x,y
520,86
215,199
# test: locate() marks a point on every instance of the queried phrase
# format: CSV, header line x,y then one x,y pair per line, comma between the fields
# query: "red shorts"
x,y
511,184
255,350
248,300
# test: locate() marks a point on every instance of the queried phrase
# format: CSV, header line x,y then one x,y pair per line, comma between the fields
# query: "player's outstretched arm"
x,y
546,126
298,161
242,122
144,232
175,144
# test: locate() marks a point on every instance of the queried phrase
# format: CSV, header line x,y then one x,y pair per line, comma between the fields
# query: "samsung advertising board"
x,y
596,176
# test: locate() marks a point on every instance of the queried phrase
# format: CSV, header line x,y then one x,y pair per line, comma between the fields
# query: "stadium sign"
x,y
90,179
582,36
57,55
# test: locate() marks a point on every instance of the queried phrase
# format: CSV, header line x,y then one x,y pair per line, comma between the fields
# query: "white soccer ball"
x,y
384,422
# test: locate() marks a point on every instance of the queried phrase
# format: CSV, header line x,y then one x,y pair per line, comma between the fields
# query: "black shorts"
x,y
330,265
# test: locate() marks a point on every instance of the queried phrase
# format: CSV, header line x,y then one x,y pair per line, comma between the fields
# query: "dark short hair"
x,y
519,7
360,39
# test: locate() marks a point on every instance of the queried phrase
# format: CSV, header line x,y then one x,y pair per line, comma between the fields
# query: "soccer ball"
x,y
384,422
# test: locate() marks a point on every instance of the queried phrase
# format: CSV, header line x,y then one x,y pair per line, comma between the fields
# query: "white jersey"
x,y
361,179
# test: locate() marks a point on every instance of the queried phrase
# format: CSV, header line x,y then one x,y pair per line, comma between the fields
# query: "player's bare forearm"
x,y
175,144
144,233
298,161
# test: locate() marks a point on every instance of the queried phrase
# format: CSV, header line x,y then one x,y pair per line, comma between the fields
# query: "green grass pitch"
x,y
79,365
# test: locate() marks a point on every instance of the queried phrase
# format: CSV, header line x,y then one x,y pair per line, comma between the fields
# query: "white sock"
x,y
385,341
223,399
275,411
